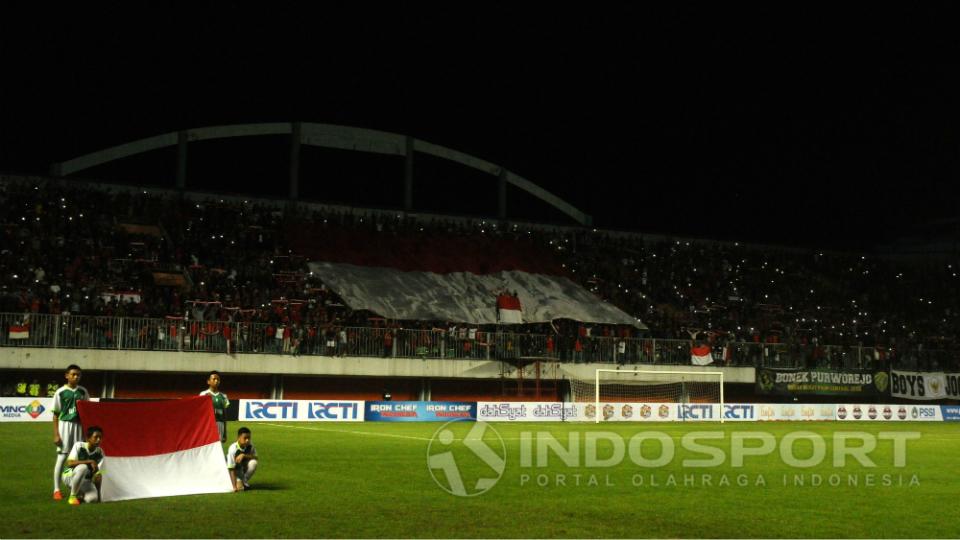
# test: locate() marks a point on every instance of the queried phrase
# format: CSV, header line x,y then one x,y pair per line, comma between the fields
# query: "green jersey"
x,y
81,452
220,404
65,402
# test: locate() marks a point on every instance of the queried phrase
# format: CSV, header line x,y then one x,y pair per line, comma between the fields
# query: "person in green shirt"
x,y
220,403
67,431
85,468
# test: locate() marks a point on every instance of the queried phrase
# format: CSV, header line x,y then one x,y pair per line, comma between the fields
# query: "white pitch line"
x,y
748,434
394,435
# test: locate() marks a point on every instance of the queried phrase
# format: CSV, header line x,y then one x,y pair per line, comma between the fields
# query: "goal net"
x,y
645,387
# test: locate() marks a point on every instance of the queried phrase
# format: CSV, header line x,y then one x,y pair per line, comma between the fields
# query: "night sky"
x,y
797,125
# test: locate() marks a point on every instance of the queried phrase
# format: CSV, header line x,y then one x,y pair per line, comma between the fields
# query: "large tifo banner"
x,y
927,385
158,448
420,411
792,382
451,278
300,410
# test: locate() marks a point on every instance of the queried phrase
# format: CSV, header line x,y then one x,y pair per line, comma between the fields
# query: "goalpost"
x,y
650,386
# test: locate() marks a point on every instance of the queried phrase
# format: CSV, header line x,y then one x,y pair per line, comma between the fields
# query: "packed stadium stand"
x,y
90,265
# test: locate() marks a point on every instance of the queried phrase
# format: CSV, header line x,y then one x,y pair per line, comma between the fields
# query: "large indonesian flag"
x,y
450,277
701,356
158,448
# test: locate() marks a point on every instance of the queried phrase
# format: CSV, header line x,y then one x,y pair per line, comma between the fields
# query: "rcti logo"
x,y
271,410
35,409
325,410
468,466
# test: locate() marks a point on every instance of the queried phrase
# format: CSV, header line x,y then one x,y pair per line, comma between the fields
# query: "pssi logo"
x,y
271,410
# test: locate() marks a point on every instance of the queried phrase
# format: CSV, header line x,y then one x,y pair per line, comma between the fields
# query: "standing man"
x,y
220,403
67,431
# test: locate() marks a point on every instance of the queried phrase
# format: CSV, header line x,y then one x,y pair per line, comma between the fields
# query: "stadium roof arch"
x,y
326,136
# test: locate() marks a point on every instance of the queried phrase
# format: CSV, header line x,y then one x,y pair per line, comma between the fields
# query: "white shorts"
x,y
70,434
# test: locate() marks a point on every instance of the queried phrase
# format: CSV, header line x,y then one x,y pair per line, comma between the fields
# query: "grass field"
x,y
372,480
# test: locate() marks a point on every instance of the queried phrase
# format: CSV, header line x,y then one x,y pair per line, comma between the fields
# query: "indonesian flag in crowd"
x,y
121,296
508,309
701,356
449,278
158,448
19,332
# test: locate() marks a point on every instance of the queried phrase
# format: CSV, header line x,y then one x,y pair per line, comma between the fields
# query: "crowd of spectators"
x,y
93,250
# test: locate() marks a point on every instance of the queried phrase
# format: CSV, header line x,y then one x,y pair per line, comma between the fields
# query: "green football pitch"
x,y
529,480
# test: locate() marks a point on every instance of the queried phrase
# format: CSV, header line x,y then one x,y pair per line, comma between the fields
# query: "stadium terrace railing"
x,y
121,333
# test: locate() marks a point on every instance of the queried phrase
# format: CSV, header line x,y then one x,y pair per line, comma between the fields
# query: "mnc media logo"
x,y
468,466
35,409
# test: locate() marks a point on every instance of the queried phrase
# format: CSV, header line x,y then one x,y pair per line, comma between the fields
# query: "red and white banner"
x,y
158,448
701,356
450,278
121,296
509,310
19,332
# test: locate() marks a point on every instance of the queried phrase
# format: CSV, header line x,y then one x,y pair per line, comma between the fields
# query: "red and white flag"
x,y
158,448
450,278
19,332
508,309
701,356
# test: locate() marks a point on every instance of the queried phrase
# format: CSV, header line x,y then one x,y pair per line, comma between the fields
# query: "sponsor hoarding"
x,y
872,412
525,411
420,411
950,413
26,409
796,411
300,410
516,411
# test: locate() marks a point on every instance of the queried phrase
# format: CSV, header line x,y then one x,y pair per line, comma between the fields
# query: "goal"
x,y
650,387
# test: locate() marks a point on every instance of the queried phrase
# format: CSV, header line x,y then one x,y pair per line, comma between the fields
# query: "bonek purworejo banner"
x,y
793,382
